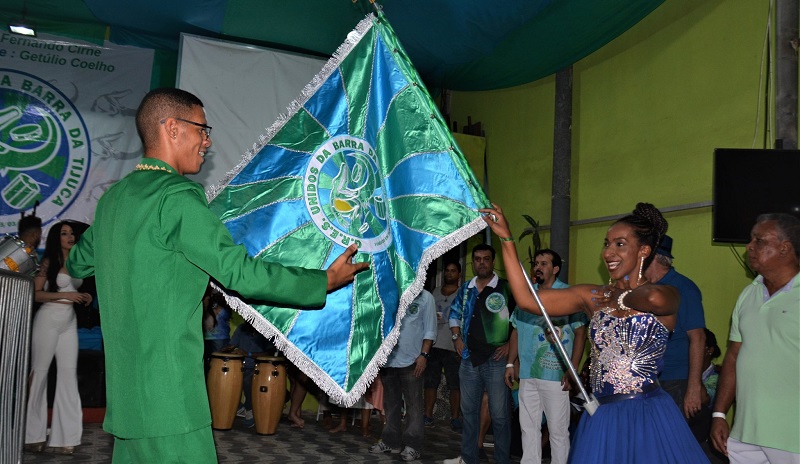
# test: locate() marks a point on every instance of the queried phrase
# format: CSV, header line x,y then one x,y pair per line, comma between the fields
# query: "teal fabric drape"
x,y
454,44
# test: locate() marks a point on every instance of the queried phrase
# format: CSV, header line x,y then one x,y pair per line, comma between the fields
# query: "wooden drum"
x,y
269,393
224,388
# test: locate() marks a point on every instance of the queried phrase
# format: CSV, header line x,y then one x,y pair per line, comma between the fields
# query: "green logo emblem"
x,y
413,308
344,194
495,302
44,148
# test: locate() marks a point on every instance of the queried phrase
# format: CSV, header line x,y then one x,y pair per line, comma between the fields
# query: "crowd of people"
x,y
661,398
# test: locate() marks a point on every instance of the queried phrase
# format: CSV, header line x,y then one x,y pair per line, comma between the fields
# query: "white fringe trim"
x,y
336,392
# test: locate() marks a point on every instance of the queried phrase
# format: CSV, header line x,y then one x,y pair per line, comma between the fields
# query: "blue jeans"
x,y
474,380
400,384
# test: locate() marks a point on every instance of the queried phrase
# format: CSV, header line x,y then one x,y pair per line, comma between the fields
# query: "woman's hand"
x,y
603,296
497,221
77,297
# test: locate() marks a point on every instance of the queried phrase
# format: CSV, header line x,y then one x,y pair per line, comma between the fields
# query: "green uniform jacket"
x,y
152,247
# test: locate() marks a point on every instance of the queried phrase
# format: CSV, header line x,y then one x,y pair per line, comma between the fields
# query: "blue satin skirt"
x,y
636,431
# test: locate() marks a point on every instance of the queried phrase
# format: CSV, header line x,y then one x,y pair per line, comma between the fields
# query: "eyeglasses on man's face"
x,y
206,129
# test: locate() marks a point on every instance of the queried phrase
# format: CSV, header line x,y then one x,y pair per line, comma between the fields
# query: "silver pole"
x,y
591,404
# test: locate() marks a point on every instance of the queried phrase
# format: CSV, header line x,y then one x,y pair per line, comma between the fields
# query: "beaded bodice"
x,y
627,352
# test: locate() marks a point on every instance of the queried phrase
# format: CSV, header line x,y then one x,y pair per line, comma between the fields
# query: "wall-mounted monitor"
x,y
749,182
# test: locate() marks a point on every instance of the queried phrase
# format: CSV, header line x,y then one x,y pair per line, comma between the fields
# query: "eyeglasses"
x,y
205,128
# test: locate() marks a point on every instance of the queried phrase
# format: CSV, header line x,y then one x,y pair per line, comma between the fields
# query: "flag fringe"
x,y
335,392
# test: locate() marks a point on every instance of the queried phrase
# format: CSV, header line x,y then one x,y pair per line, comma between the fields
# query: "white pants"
x,y
745,453
535,396
54,333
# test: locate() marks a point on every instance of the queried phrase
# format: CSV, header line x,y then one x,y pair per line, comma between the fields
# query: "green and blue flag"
x,y
363,156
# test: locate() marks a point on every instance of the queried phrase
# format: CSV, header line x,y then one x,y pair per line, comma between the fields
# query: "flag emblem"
x,y
344,194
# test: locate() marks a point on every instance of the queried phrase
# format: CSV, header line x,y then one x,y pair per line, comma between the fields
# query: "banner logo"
x,y
345,196
44,148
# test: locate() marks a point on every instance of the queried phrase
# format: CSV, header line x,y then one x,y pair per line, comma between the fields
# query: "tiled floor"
x,y
312,444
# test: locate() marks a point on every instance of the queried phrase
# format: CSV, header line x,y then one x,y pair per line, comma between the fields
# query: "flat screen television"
x,y
749,182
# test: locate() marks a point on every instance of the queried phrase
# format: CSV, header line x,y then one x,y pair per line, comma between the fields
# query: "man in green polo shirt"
x,y
153,245
761,370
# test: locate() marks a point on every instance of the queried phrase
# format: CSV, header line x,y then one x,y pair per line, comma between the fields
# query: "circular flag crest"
x,y
344,194
44,148
495,302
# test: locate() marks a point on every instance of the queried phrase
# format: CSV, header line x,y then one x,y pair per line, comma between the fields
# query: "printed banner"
x,y
67,128
362,157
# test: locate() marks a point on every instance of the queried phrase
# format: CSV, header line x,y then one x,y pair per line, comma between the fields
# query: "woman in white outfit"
x,y
55,334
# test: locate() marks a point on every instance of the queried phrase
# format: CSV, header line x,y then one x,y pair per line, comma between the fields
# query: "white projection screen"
x,y
244,89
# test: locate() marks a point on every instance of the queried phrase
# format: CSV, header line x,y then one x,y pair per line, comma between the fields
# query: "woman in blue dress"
x,y
631,319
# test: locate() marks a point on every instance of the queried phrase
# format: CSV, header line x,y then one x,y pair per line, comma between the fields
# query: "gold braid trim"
x,y
147,167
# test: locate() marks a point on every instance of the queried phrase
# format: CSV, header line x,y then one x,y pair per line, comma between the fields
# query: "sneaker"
x,y
240,412
248,414
457,460
409,454
249,423
382,447
456,425
428,421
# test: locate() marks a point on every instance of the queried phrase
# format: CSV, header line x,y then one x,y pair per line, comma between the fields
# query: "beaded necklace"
x,y
148,167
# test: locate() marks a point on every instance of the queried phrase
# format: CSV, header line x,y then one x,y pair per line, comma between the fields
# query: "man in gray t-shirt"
x,y
443,354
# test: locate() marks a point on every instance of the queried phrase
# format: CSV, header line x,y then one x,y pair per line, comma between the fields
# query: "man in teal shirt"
x,y
544,384
153,245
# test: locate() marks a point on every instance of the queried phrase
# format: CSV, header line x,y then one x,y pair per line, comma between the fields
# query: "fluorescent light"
x,y
21,30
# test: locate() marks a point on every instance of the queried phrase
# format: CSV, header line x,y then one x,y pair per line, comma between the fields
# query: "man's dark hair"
x,y
556,258
28,223
711,342
158,104
454,263
483,247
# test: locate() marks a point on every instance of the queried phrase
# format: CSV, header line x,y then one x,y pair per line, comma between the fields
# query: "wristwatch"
x,y
454,337
425,354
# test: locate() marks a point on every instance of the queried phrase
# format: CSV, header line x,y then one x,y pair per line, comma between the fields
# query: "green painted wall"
x,y
648,109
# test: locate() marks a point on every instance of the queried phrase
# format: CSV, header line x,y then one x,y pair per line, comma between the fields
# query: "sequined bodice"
x,y
627,352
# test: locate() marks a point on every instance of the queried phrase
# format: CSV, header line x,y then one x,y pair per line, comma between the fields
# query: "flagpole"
x,y
591,403
376,6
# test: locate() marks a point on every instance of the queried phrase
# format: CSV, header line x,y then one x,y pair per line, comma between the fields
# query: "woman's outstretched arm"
x,y
557,302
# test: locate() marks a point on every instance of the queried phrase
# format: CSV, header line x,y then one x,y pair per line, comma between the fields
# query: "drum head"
x,y
272,359
226,356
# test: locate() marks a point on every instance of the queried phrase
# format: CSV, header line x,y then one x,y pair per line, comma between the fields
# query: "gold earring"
x,y
641,265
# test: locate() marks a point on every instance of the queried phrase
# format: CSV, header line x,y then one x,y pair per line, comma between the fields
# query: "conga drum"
x,y
224,388
269,393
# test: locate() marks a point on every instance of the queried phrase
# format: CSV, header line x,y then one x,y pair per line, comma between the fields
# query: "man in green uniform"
x,y
153,245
